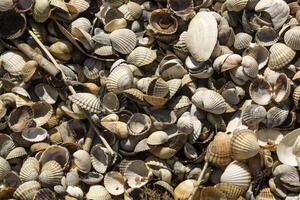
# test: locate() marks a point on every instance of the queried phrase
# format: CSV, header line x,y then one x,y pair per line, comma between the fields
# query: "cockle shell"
x,y
158,87
82,160
34,134
265,194
120,79
236,5
18,152
6,144
266,36
41,11
158,138
80,23
13,62
123,40
4,167
260,91
202,32
253,114
57,153
75,192
51,173
45,194
114,182
291,38
27,190
242,40
100,158
162,22
115,24
98,192
184,189
46,92
237,173
282,88
62,50
244,145
137,174
30,169
139,124
231,191
131,10
269,138
141,56
118,128
280,56
91,178
260,53
87,101
170,67
288,175
276,116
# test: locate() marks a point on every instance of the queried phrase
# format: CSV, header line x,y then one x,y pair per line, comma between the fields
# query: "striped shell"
x,y
42,112
56,153
237,173
6,144
231,191
244,145
45,194
141,56
158,87
236,5
253,114
82,160
98,192
92,68
266,194
242,41
260,91
114,182
27,190
184,189
115,24
100,158
51,173
30,169
209,101
4,167
123,40
80,23
18,152
131,10
87,101
120,79
13,62
291,38
280,56
276,116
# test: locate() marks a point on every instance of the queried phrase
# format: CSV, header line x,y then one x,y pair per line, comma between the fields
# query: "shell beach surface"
x,y
149,99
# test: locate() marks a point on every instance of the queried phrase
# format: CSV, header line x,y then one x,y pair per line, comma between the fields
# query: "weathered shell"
x,y
114,183
218,151
288,175
45,194
46,92
158,87
30,169
98,192
27,190
236,5
34,134
202,36
184,189
242,40
13,62
141,56
87,101
123,40
91,178
266,36
244,145
51,173
163,118
276,116
162,22
158,138
118,128
266,194
75,192
100,158
231,191
115,24
282,88
78,6
18,152
260,91
82,160
183,9
6,144
6,5
269,138
120,79
57,153
291,38
170,67
4,167
209,101
253,114
41,10
139,124
237,173
199,69
131,10
280,56
62,50
137,174
80,23
260,53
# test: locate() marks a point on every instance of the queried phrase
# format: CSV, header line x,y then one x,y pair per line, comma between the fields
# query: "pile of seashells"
x,y
160,99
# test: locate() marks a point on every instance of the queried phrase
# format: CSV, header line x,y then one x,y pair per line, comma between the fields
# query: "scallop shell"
x,y
13,62
6,144
82,160
244,145
276,116
280,56
100,158
237,173
98,192
18,152
51,173
34,134
87,101
57,153
137,174
231,191
123,40
202,32
141,56
282,88
209,100
253,114
120,79
46,92
45,194
184,189
242,41
260,91
218,150
162,22
27,190
4,167
30,169
114,183
266,36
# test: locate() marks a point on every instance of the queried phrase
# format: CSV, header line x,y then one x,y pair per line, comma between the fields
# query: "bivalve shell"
x,y
30,169
51,173
97,192
87,101
13,62
35,134
27,190
260,91
120,79
184,189
137,174
291,38
280,56
123,40
4,167
45,194
162,22
82,160
114,183
141,56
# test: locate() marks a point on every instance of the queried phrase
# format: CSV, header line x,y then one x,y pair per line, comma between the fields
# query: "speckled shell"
x,y
87,101
123,40
51,173
30,169
27,190
280,56
141,56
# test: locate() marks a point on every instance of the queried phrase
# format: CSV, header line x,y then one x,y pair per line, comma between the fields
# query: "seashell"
x,y
18,152
291,38
114,183
260,91
237,173
46,92
41,146
276,116
12,30
158,138
62,50
78,6
163,118
143,83
57,153
116,127
155,101
162,22
6,144
165,175
202,32
250,66
87,101
184,189
30,170
141,56
92,68
174,87
236,5
242,41
41,11
4,167
120,79
134,94
158,87
296,96
75,192
282,88
82,160
209,100
81,23
218,151
71,178
233,94
139,124
100,158
98,192
45,194
265,194
137,174
253,114
231,191
110,102
288,175
260,53
280,56
27,190
266,36
131,10
190,151
91,178
170,67
51,173
269,138
123,40
42,112
244,145
34,134
115,24
185,9
227,62
13,62
199,70
6,5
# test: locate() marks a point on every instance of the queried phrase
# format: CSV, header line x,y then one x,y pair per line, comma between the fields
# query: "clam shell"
x,y
4,167
202,32
41,146
260,53
30,169
139,124
6,144
276,116
199,69
269,138
46,92
242,41
253,114
237,173
288,175
75,192
98,192
123,40
34,134
296,96
114,183
62,50
265,194
115,25
77,6
244,145
155,101
236,5
42,112
41,11
57,153
266,36
18,152
116,127
162,22
218,150
137,174
260,91
45,194
134,94
282,88
280,56
170,67
163,118
100,158
120,79
82,160
110,102
291,38
51,173
80,23
6,5
174,87
158,138
131,10
209,100
13,62
184,189
158,87
27,190
250,66
231,191
141,56
183,9
92,68
87,101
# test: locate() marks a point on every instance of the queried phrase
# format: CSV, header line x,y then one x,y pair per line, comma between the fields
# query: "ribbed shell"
x,y
78,6
265,194
6,144
174,86
244,145
276,116
266,36
100,158
218,150
137,174
184,189
231,191
115,25
282,88
82,160
134,94
202,36
242,41
280,56
58,153
236,5
209,101
260,91
87,101
131,10
4,167
42,113
158,87
250,66
123,40
253,114
13,62
92,68
296,96
237,173
80,23
34,134
18,152
114,183
292,38
27,190
51,173
120,79
30,169
141,56
45,194
97,192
